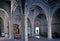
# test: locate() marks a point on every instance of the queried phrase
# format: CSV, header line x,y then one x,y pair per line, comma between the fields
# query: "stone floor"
x,y
42,39
34,39
1,39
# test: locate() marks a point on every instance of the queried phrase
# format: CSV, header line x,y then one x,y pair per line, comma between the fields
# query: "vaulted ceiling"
x,y
52,2
5,0
23,4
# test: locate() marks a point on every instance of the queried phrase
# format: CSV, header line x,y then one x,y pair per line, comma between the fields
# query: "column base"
x,y
49,37
11,37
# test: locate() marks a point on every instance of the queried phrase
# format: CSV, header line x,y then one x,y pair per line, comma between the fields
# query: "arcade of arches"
x,y
24,20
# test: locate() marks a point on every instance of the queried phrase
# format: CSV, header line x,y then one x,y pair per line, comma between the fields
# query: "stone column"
x,y
26,23
49,19
32,28
11,36
24,30
33,19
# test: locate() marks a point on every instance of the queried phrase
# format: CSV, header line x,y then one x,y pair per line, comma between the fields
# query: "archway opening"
x,y
16,31
1,27
41,22
29,28
56,24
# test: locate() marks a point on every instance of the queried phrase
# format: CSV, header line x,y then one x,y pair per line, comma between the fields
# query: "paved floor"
x,y
42,39
4,40
34,39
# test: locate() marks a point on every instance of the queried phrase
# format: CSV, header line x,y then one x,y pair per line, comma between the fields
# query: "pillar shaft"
x,y
34,14
26,23
22,28
32,28
26,30
11,36
49,19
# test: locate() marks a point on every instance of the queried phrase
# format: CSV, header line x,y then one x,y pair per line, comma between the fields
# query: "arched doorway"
x,y
1,26
41,22
4,23
38,17
56,24
16,28
16,31
29,28
37,25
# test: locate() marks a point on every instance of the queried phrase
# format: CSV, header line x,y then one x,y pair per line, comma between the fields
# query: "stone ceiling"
x,y
52,2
